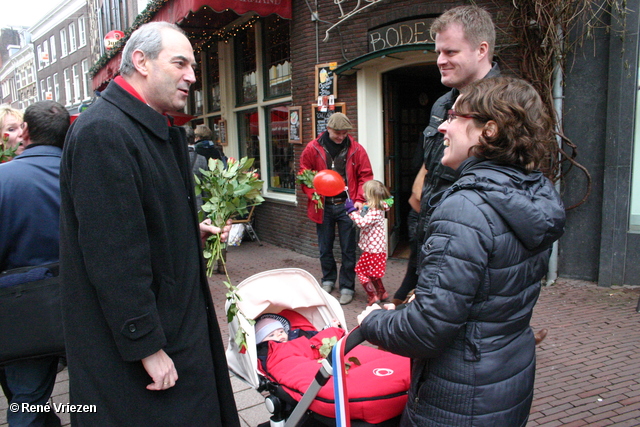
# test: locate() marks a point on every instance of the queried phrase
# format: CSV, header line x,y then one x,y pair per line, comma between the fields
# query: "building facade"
x,y
268,70
62,52
18,86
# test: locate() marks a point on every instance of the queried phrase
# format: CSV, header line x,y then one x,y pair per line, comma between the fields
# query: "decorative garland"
x,y
146,15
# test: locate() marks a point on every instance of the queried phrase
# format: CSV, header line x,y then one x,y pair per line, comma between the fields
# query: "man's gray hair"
x,y
148,39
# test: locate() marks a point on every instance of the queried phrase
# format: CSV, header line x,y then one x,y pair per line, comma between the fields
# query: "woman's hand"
x,y
367,311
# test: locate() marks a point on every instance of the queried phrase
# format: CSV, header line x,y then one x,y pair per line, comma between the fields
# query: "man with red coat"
x,y
336,150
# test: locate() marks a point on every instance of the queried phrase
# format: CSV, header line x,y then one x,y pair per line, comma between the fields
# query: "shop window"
x,y
281,160
248,136
213,79
246,66
277,57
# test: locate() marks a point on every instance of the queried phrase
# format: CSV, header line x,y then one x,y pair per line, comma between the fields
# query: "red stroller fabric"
x,y
377,382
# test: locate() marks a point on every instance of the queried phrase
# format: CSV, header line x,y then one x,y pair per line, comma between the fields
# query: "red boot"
x,y
382,293
371,293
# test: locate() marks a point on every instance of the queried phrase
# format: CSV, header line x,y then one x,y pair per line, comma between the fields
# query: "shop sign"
x,y
400,34
112,38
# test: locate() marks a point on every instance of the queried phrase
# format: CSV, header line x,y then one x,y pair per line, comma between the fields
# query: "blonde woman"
x,y
10,127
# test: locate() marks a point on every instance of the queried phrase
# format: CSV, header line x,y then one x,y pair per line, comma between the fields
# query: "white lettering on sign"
x,y
400,34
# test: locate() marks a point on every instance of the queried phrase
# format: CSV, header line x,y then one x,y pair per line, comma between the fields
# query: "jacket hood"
x,y
527,202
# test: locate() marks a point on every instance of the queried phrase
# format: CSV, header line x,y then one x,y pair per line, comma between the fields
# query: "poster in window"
x,y
319,118
326,80
295,125
222,132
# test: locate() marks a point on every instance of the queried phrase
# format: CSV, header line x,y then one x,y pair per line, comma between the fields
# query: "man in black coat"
x,y
143,343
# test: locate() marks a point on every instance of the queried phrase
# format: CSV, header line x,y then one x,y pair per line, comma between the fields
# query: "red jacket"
x,y
358,172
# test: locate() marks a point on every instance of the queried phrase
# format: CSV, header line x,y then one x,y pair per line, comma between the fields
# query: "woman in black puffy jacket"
x,y
490,235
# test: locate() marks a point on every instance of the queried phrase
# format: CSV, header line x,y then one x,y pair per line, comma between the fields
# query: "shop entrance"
x,y
408,94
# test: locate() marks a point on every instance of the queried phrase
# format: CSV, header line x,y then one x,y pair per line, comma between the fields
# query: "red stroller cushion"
x,y
377,386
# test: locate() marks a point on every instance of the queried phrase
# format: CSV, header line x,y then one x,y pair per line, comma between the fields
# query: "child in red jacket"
x,y
373,239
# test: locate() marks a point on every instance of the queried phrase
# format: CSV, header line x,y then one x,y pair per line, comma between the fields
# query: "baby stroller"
x,y
377,391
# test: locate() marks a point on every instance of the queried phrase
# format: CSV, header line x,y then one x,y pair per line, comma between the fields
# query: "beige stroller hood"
x,y
271,292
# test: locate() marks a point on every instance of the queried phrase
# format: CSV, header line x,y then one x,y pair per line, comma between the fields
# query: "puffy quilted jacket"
x,y
468,328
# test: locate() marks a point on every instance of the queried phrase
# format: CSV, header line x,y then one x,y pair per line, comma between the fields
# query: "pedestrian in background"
x,y
489,238
10,121
143,341
197,162
30,236
206,147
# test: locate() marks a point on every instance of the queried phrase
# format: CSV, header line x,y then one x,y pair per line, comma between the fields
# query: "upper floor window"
x,y
56,88
277,57
86,80
82,33
52,46
72,37
40,54
64,47
67,87
76,83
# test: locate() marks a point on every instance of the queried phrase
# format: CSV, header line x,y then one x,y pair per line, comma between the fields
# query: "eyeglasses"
x,y
452,114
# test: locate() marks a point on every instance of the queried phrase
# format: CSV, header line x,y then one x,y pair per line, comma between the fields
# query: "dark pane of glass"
x,y
248,136
277,56
246,90
213,79
281,161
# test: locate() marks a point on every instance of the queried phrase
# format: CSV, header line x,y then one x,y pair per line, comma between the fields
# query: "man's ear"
x,y
26,137
483,50
140,62
490,129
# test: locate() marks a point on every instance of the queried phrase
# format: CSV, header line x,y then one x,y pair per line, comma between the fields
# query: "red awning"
x,y
107,73
177,10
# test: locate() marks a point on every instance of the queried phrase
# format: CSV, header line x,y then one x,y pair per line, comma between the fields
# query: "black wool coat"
x,y
132,272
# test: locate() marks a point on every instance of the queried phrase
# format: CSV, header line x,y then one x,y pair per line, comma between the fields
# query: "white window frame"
x,y
67,86
64,47
52,46
76,83
72,38
56,88
86,81
82,33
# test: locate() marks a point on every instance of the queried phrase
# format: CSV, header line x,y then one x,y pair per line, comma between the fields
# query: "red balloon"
x,y
328,183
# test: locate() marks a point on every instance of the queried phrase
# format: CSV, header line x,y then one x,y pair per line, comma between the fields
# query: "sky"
x,y
24,12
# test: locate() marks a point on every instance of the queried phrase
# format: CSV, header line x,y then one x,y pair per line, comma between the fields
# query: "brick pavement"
x,y
588,368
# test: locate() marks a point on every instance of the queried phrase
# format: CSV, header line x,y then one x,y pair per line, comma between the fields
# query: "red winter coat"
x,y
358,167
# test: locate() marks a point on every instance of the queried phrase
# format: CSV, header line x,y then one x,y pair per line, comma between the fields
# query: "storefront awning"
x,y
107,73
392,53
177,10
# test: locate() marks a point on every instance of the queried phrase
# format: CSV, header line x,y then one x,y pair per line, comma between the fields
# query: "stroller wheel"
x,y
274,406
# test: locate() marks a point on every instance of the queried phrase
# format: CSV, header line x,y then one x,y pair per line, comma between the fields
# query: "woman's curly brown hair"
x,y
524,128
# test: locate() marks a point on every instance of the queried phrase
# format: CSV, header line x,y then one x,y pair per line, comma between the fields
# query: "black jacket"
x,y
468,328
439,177
133,274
